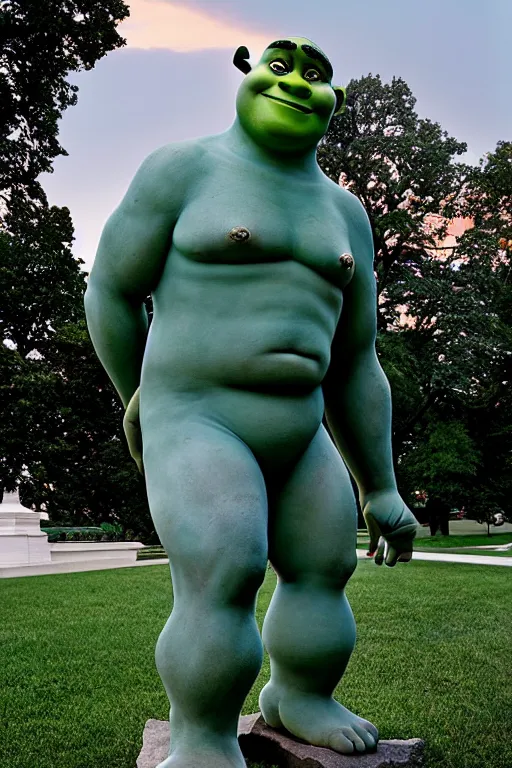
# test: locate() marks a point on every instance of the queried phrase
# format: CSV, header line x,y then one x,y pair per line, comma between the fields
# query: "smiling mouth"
x,y
292,104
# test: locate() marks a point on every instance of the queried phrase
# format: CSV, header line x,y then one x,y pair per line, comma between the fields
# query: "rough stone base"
x,y
261,743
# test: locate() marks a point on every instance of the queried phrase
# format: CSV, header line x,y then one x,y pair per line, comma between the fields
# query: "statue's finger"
x,y
380,554
405,557
391,556
373,532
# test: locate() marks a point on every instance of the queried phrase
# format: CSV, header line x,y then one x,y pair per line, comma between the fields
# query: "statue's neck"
x,y
238,141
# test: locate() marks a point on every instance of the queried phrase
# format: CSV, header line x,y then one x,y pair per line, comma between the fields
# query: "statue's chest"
x,y
239,218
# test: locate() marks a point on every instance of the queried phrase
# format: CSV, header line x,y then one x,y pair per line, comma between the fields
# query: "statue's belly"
x,y
258,326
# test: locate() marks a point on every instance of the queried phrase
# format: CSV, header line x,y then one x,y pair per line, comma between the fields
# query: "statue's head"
x,y
286,101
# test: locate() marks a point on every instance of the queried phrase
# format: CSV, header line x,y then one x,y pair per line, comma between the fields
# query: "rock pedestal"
x,y
21,540
260,743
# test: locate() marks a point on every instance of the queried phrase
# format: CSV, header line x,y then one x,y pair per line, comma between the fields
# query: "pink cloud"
x,y
159,24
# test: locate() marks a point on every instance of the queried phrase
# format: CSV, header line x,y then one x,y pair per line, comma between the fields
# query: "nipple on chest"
x,y
346,261
239,234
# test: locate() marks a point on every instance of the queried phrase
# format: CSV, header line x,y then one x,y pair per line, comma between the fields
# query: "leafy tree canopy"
x,y
61,420
41,42
445,337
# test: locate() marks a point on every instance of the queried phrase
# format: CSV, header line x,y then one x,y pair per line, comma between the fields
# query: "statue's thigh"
x,y
208,501
313,518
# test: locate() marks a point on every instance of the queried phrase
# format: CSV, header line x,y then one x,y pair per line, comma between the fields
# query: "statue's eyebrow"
x,y
309,50
314,53
286,45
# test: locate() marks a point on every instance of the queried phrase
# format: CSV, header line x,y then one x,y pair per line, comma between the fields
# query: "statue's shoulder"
x,y
167,174
355,219
181,157
346,202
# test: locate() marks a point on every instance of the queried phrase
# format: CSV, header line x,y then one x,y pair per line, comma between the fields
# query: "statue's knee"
x,y
334,574
348,566
219,575
331,571
238,581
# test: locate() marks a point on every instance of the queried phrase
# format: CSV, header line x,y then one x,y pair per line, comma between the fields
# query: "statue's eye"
x,y
279,66
312,75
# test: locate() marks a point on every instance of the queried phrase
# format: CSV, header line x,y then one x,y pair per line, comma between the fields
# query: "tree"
x,y
444,312
40,44
80,466
41,283
445,462
401,167
61,432
487,254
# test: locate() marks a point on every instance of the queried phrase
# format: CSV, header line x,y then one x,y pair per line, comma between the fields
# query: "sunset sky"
x,y
174,80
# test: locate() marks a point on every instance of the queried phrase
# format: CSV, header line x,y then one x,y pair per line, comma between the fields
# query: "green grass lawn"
x,y
455,544
78,682
151,553
465,551
471,540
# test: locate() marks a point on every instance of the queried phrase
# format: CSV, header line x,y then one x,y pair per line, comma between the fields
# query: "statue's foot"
x,y
317,720
205,758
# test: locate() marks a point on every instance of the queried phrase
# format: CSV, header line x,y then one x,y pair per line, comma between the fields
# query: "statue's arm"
x,y
356,391
358,399
130,258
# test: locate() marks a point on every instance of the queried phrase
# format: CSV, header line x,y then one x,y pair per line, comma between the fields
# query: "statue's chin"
x,y
279,139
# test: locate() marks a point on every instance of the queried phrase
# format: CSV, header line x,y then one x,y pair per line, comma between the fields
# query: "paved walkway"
x,y
101,565
441,557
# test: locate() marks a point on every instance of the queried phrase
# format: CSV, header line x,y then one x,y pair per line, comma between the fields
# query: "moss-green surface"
x,y
465,551
471,540
78,682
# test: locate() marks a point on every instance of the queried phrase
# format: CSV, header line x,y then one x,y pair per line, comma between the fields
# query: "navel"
x,y
239,234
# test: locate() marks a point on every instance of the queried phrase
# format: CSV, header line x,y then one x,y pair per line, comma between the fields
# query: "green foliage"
x,y
105,532
41,42
401,167
449,368
97,536
444,462
80,467
151,553
445,317
60,533
61,419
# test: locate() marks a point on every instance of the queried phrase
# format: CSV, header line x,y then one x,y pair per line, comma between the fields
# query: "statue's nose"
x,y
295,88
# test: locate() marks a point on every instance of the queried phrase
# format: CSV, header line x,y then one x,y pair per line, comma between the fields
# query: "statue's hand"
x,y
131,426
391,525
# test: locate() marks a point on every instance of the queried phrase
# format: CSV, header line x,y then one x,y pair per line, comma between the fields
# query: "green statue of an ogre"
x,y
261,273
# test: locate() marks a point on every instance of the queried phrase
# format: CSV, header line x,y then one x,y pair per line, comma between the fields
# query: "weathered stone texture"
x,y
261,743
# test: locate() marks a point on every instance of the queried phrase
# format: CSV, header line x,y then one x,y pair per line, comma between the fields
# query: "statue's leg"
x,y
309,629
208,501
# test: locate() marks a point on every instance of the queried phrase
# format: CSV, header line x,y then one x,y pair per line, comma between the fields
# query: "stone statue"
x,y
261,273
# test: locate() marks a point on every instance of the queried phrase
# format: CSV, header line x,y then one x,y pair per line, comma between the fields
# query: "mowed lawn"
x,y
472,540
78,681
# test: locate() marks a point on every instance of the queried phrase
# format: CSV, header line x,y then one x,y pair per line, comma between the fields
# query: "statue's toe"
x,y
365,733
341,742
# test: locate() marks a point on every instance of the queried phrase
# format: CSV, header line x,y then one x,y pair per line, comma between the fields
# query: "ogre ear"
x,y
240,60
341,98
